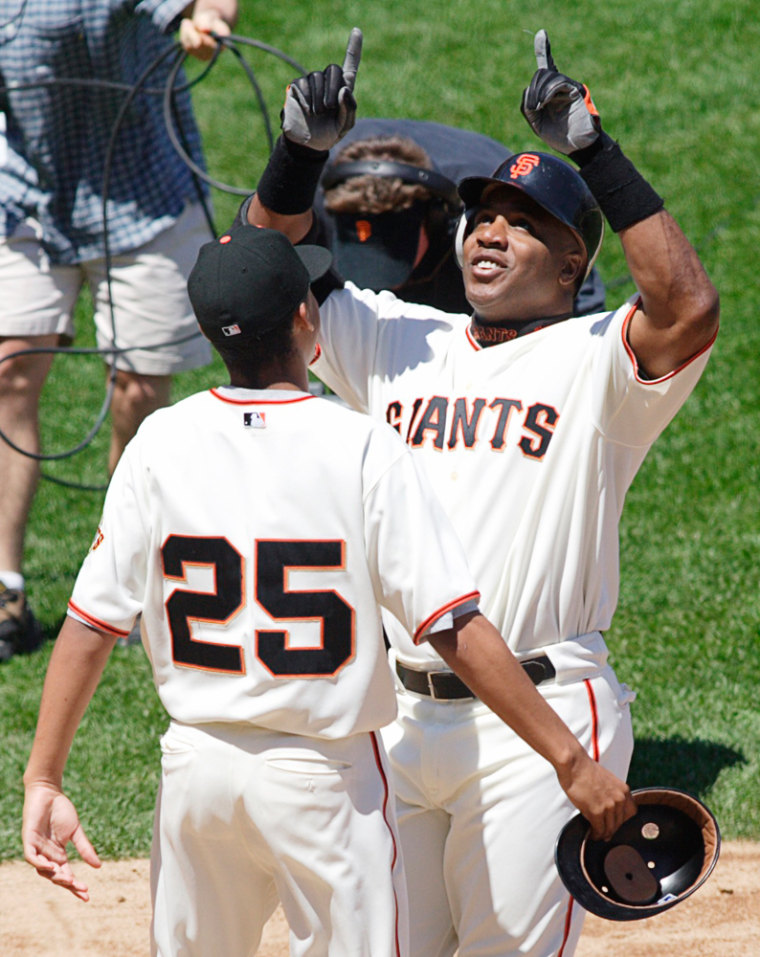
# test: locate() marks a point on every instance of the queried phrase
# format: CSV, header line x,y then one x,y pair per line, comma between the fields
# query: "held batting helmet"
x,y
654,860
552,184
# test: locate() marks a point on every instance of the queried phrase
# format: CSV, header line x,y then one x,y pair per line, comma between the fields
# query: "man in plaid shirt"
x,y
54,139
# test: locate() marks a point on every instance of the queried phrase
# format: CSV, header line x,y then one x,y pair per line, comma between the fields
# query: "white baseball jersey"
x,y
530,445
256,532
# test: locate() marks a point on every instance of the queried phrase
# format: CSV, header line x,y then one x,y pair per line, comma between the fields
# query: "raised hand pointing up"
x,y
320,107
559,110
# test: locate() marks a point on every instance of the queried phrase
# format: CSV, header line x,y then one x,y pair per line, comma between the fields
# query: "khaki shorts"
x,y
152,316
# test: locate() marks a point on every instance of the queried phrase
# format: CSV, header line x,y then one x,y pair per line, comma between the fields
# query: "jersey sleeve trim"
x,y
635,361
96,623
471,596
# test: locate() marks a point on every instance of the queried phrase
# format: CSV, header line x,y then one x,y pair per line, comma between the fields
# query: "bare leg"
x,y
21,382
135,396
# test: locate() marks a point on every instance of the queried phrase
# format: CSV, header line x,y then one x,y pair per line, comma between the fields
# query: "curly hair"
x,y
378,194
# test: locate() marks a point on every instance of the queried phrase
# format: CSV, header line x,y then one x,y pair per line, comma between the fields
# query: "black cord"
x,y
229,42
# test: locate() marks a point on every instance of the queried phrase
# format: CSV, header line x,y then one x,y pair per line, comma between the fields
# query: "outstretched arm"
x,y
679,311
475,650
319,110
50,820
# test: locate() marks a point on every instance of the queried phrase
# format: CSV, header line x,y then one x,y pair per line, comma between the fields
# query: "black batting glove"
x,y
559,110
320,108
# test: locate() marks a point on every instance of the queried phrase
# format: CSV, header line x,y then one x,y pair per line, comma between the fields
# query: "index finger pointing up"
x,y
543,51
352,58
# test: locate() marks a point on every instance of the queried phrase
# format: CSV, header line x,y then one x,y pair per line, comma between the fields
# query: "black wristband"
x,y
289,182
623,194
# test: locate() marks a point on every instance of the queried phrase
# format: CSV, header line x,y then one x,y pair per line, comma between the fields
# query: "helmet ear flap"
x,y
461,233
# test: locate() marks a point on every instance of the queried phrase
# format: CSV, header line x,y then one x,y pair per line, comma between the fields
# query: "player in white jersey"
x,y
256,528
531,426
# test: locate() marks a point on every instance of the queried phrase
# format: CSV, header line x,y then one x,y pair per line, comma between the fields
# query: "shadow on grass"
x,y
679,763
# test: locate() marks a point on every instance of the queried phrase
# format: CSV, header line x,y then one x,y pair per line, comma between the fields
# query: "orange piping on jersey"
x,y
317,354
232,401
595,755
594,720
473,596
568,922
635,361
386,795
96,623
472,340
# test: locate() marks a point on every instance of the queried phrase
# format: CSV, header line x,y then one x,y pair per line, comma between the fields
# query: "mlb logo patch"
x,y
233,330
254,420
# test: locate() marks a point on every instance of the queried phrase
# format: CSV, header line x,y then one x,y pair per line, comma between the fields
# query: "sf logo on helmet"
x,y
524,165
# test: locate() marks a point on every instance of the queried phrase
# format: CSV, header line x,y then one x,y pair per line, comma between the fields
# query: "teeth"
x,y
486,264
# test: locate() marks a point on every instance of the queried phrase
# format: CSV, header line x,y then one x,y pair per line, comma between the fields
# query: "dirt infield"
x,y
722,919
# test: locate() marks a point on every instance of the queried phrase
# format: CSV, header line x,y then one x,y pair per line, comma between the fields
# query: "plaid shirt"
x,y
52,162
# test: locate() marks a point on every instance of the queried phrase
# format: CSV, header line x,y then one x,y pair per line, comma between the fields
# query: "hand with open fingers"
x,y
559,110
50,822
601,797
195,34
320,108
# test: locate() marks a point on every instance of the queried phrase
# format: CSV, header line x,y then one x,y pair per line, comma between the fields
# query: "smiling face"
x,y
519,263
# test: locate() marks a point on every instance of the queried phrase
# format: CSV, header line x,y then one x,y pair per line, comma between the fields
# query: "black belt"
x,y
445,685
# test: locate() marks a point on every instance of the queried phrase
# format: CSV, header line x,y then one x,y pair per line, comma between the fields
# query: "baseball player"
x,y
255,527
531,425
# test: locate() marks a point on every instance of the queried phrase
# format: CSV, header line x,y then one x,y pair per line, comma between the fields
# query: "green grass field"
x,y
675,84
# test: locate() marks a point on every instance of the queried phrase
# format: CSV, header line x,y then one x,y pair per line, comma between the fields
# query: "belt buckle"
x,y
431,686
539,669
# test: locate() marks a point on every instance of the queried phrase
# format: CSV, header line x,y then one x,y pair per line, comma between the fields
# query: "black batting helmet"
x,y
552,184
654,860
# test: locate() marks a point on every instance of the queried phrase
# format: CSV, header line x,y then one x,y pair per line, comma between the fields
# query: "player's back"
x,y
256,515
256,532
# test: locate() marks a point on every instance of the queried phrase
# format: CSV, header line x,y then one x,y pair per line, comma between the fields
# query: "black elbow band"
x,y
289,182
623,194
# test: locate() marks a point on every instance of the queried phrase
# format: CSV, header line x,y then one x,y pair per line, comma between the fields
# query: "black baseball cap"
x,y
377,251
250,280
